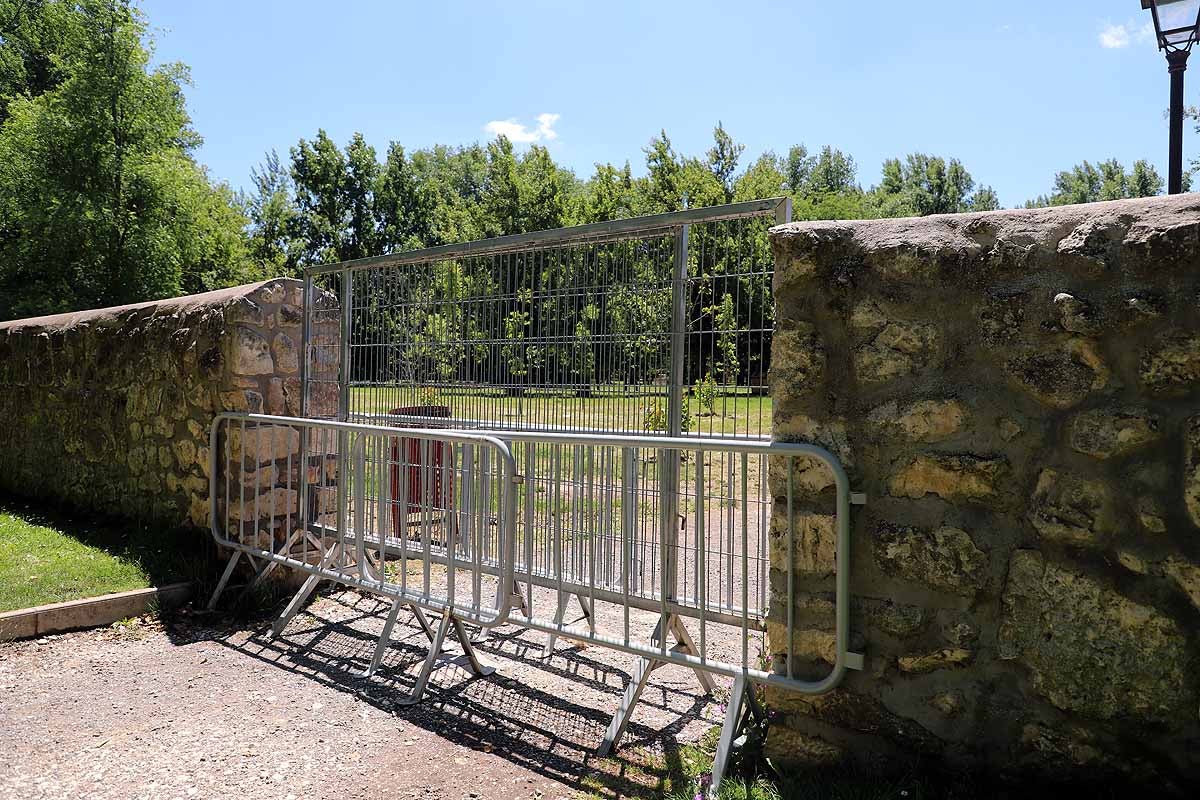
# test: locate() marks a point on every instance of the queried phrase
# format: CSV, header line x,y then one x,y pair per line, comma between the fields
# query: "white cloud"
x,y
518,133
1115,37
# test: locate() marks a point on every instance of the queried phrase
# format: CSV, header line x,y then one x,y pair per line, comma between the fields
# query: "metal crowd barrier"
x,y
297,493
509,526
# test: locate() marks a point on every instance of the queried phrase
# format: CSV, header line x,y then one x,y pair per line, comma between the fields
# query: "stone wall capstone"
x,y
109,410
1018,394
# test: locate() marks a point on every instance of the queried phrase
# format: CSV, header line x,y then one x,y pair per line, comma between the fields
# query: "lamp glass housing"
x,y
1175,22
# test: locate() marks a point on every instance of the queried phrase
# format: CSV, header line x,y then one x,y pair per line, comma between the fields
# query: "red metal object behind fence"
x,y
429,485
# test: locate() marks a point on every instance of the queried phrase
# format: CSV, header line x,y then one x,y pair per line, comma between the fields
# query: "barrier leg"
x,y
435,649
384,639
633,692
216,595
477,666
730,729
419,615
271,565
305,590
588,612
641,674
688,645
559,613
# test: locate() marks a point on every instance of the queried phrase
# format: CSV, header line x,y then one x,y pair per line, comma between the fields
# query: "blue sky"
x,y
1016,90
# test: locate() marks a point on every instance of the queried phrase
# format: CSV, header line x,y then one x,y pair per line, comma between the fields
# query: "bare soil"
x,y
203,707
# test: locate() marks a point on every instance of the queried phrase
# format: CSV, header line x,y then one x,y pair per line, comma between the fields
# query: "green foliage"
x,y
101,202
924,184
705,392
654,417
1107,180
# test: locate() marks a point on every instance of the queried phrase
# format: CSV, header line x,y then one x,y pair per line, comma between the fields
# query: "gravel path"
x,y
194,708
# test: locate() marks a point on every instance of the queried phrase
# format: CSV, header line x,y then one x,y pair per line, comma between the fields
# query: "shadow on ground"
x,y
545,715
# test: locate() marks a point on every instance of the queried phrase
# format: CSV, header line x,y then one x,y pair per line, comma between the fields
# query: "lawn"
x,y
51,558
632,409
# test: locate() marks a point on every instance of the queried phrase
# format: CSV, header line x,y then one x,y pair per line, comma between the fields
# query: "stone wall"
x,y
1017,394
109,410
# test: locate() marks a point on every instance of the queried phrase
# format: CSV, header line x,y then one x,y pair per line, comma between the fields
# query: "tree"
x,y
362,175
608,195
722,160
1108,180
101,202
31,33
501,193
273,218
404,203
1144,180
320,180
798,168
541,192
924,184
832,172
660,189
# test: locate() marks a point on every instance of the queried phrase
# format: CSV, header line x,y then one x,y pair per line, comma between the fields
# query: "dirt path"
x,y
192,709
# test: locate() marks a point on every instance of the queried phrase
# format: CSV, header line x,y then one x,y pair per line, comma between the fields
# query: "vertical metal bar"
x,y
344,371
306,342
670,459
791,572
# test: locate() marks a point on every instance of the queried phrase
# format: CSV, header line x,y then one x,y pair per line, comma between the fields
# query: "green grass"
x,y
49,558
734,411
677,774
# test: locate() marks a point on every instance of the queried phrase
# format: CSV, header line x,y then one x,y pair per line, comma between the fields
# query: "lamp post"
x,y
1177,26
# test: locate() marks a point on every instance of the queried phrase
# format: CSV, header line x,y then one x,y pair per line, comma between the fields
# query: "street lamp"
x,y
1177,24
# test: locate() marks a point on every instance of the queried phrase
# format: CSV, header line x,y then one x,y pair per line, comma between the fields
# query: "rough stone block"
x,y
250,353
1060,377
967,478
276,502
287,360
1069,509
813,542
922,421
1113,432
1173,364
1191,469
938,659
945,559
1089,649
262,443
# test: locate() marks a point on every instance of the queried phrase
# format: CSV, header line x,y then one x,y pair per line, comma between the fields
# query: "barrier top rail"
x,y
578,233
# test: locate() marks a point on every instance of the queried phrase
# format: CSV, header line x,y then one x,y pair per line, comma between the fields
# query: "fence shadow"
x,y
545,715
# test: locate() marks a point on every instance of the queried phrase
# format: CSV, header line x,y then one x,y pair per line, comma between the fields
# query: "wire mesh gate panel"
x,y
658,325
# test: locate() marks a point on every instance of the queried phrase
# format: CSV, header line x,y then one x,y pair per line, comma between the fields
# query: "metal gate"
x,y
622,368
607,327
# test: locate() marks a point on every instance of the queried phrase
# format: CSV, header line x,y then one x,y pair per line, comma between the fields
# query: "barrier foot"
x,y
731,728
384,639
688,645
633,692
436,648
216,595
518,603
477,666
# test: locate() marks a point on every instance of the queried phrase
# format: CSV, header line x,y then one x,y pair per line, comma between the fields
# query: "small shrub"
x,y
705,392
